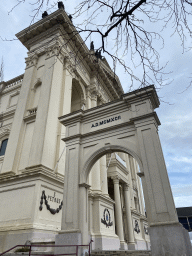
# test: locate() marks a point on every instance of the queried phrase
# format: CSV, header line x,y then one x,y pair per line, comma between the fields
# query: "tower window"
x,y
3,147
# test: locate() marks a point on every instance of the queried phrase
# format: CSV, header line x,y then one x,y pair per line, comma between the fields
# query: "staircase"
x,y
121,253
47,248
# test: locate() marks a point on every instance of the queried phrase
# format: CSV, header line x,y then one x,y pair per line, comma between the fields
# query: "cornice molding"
x,y
7,114
55,50
59,20
31,61
140,121
5,131
32,172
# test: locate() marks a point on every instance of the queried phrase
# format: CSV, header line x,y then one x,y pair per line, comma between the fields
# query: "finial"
x,y
45,14
98,54
60,5
92,46
70,17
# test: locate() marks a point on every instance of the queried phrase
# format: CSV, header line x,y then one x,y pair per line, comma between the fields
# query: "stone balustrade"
x,y
15,81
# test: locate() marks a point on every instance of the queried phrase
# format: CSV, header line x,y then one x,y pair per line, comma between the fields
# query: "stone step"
x,y
98,253
122,253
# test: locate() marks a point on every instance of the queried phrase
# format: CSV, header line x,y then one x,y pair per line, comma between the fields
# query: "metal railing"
x,y
51,254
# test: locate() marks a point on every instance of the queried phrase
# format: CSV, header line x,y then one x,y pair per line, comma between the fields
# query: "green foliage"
x,y
23,249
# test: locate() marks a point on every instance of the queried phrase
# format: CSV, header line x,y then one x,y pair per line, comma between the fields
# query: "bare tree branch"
x,y
126,25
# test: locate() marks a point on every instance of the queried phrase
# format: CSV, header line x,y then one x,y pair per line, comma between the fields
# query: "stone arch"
x,y
116,146
129,125
78,97
37,84
36,90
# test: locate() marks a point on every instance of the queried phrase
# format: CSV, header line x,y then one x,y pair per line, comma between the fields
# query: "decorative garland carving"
x,y
52,211
107,218
137,229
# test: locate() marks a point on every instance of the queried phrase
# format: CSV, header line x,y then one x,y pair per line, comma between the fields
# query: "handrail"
x,y
38,245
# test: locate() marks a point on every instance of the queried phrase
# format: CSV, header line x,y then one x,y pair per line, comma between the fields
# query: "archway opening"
x,y
116,203
77,98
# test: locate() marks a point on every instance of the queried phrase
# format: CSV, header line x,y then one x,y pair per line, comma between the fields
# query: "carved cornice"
x,y
69,66
94,95
55,50
31,61
35,172
7,114
5,131
49,26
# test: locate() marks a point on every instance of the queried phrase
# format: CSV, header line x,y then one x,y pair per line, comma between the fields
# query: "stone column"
x,y
74,224
93,99
139,187
118,213
130,180
73,212
103,173
166,233
95,174
131,240
83,213
88,94
133,174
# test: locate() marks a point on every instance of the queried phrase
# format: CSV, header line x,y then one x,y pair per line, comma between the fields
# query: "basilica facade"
x,y
62,76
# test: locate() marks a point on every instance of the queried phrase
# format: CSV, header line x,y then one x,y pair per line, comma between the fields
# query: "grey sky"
x,y
176,117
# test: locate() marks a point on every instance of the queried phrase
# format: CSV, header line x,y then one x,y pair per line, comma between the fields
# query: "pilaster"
x,y
103,173
95,174
12,152
44,136
118,213
131,240
65,109
157,190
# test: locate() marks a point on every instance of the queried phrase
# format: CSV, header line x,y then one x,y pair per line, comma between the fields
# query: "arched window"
x,y
77,98
3,147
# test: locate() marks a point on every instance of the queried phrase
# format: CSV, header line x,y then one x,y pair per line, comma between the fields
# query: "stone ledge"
x,y
122,253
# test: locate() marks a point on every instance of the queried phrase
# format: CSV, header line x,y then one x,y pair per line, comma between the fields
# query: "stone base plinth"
x,y
170,240
123,246
131,246
21,237
69,238
105,243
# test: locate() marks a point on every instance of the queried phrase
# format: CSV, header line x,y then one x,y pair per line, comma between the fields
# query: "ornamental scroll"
x,y
107,218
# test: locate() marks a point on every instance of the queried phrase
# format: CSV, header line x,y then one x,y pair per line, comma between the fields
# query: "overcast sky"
x,y
176,117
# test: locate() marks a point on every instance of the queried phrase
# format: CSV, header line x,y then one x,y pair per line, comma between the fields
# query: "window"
x,y
3,147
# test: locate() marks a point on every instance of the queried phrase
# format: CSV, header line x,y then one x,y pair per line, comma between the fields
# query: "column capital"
x,y
126,186
31,61
93,96
55,49
68,65
115,179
